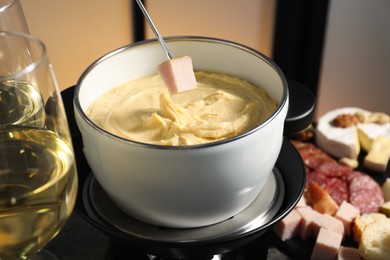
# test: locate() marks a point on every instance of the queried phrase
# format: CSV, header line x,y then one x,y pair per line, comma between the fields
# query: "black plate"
x,y
260,212
289,164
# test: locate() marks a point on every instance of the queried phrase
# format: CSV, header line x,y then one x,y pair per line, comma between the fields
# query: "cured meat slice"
x,y
339,181
364,193
320,179
333,169
338,189
312,156
331,176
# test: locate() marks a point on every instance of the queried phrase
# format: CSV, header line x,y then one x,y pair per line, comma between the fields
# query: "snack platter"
x,y
343,187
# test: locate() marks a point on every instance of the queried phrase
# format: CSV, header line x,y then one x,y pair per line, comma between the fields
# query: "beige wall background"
x,y
356,62
77,33
250,22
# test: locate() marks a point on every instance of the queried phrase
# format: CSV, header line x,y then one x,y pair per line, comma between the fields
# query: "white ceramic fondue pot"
x,y
182,186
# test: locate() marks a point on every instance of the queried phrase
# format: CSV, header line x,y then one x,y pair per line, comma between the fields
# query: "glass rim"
x,y
8,4
34,64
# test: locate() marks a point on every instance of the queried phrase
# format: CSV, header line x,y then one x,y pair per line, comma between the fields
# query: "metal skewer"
x,y
155,31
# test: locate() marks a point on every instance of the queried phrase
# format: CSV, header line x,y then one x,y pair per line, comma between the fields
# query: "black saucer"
x,y
101,208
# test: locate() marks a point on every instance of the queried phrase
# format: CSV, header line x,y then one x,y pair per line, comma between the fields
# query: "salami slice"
x,y
333,169
312,156
364,192
338,190
336,185
320,179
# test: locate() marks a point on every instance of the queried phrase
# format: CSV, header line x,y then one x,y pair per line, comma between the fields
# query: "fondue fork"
x,y
155,31
178,74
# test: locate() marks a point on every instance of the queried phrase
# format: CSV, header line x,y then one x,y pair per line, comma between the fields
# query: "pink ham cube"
x,y
329,222
327,244
301,202
178,74
307,223
348,253
347,214
288,227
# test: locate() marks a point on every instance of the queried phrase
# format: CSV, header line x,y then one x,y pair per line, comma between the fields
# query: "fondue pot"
x,y
185,186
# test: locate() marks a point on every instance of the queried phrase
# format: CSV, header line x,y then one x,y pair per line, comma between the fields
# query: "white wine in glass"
x,y
38,179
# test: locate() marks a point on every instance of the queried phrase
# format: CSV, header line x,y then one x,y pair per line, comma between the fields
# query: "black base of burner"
x,y
257,249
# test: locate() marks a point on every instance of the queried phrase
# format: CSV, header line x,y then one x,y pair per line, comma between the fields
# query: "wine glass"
x,y
12,17
38,179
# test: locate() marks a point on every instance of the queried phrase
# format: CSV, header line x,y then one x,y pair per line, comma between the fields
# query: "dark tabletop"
x,y
80,240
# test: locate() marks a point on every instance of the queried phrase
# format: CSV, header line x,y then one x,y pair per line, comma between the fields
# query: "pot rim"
x,y
250,50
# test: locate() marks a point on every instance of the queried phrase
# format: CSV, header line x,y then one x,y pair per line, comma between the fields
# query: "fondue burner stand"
x,y
241,237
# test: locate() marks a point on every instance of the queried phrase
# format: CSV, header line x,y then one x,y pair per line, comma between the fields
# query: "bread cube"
x,y
375,240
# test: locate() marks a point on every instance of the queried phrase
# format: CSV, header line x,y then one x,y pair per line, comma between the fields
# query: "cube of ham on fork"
x,y
178,74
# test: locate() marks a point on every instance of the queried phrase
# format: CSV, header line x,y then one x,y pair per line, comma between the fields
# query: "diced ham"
x,y
327,244
347,214
288,227
178,74
348,253
329,222
301,202
308,215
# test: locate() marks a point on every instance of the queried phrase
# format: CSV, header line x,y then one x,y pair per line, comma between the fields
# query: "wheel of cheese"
x,y
337,141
